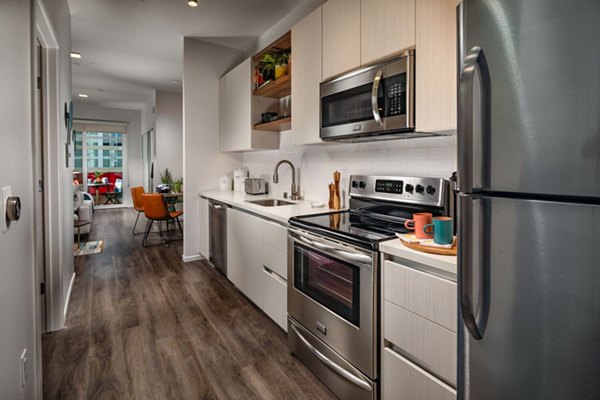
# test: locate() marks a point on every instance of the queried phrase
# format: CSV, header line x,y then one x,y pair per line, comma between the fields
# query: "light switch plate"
x,y
6,193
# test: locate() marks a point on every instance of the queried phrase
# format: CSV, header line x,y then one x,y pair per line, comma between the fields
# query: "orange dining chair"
x,y
156,209
136,196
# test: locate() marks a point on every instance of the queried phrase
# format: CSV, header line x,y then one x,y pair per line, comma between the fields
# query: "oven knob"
x,y
354,184
362,185
409,188
430,190
419,189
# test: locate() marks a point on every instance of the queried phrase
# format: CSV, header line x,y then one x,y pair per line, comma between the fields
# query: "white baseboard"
x,y
68,299
192,258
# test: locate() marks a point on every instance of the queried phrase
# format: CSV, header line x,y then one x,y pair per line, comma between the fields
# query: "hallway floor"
x,y
142,324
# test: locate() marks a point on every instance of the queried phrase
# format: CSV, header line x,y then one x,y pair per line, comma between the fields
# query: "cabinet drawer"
x,y
431,345
429,296
275,298
275,235
402,380
274,260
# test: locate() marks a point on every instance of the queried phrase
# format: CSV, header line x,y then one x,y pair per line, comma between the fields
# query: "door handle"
x,y
474,321
358,381
374,100
474,63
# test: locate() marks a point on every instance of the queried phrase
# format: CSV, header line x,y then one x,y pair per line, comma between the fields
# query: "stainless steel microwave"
x,y
374,102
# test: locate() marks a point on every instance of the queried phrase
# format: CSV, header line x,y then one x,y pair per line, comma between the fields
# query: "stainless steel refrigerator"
x,y
529,199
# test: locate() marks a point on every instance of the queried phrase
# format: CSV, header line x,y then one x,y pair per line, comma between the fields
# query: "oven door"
x,y
368,102
332,293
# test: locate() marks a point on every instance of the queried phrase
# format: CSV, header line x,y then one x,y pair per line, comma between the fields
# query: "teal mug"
x,y
442,229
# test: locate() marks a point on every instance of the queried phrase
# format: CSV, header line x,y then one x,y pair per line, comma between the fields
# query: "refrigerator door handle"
x,y
474,65
473,320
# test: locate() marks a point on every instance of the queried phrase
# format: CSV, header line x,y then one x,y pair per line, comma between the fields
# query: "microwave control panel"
x,y
395,95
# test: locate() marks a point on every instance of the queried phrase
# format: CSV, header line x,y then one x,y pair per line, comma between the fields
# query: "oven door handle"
x,y
358,381
374,99
362,258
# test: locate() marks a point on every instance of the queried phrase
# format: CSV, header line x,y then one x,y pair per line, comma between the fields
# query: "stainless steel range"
x,y
333,272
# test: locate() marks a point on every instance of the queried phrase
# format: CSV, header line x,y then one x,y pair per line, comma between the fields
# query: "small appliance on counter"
x,y
239,175
255,186
225,183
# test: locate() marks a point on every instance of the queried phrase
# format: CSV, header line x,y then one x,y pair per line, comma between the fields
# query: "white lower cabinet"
x,y
403,380
257,262
275,297
419,322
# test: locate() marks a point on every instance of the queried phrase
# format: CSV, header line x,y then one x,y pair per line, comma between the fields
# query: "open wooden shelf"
x,y
278,89
283,124
282,44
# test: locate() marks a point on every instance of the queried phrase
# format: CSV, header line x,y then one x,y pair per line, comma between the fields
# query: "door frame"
x,y
52,149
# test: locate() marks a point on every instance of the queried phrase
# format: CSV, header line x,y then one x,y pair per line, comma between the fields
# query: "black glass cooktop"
x,y
356,227
365,224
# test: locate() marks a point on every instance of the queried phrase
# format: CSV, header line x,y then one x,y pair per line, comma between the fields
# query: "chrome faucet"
x,y
295,190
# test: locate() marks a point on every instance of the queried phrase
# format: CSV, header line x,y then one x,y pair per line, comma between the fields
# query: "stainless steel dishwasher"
x,y
218,235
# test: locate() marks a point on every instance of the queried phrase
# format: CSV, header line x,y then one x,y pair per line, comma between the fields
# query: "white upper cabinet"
x,y
387,26
239,110
341,36
435,87
306,42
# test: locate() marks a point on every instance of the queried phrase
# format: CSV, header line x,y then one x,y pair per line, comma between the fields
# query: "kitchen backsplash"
x,y
434,156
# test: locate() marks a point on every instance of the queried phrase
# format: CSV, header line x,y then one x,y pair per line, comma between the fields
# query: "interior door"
x,y
538,302
38,181
544,93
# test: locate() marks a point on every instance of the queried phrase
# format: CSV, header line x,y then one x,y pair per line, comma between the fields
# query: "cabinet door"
x,y
402,380
435,97
275,297
235,108
387,26
307,70
341,36
235,249
251,285
204,236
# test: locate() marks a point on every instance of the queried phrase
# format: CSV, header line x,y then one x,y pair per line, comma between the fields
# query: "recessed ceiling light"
x,y
83,95
176,81
75,55
193,3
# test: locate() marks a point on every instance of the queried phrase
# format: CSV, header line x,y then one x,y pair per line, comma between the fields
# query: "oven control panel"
x,y
416,190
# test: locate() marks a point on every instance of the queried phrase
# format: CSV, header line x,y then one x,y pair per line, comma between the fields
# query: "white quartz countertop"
x,y
395,248
280,213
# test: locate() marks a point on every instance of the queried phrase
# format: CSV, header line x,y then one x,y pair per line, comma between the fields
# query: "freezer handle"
x,y
474,65
473,320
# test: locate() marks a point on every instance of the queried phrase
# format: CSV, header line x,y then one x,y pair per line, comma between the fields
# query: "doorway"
x,y
100,161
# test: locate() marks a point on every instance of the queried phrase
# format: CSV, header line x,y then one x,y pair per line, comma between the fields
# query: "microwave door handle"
x,y
374,99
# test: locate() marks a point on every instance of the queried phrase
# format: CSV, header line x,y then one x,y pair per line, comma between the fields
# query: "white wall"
x,y
203,164
169,133
16,250
133,173
434,156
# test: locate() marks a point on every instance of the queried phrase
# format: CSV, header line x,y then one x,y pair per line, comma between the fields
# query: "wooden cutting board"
x,y
452,251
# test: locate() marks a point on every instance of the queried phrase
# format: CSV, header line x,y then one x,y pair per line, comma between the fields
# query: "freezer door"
x,y
542,133
535,297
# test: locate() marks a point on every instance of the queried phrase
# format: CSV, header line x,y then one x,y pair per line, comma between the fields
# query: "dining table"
x,y
97,186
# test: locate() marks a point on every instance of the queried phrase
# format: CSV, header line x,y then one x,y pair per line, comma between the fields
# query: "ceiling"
x,y
130,48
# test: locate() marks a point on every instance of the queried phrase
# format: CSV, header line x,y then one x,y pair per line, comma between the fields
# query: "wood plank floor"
x,y
144,325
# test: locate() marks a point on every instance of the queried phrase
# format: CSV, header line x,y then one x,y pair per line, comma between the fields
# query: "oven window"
x,y
333,283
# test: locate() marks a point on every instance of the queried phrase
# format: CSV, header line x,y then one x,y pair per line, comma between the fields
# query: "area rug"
x,y
88,248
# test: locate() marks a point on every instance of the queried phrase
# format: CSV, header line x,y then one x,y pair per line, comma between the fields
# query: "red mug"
x,y
418,223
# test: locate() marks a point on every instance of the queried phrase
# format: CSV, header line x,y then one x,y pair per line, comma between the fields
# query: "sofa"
x,y
83,209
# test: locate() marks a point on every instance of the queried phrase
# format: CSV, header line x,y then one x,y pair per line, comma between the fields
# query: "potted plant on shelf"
x,y
274,65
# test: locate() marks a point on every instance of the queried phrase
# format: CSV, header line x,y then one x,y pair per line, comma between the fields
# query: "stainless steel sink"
x,y
271,202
